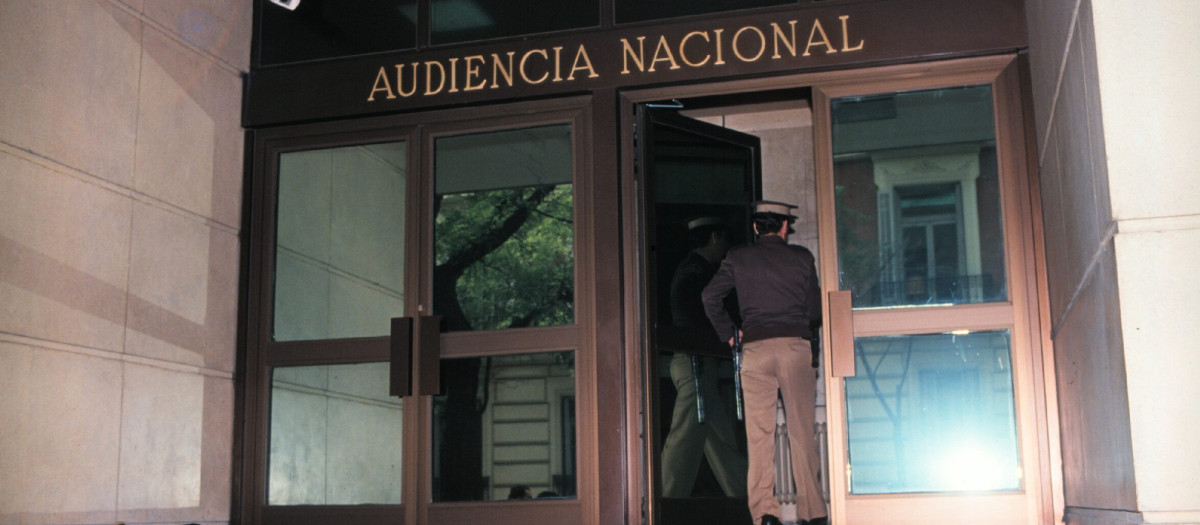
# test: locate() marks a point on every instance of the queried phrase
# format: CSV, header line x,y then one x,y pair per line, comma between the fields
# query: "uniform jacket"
x,y
687,310
777,291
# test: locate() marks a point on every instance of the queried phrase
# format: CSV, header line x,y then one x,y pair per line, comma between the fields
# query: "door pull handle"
x,y
841,334
415,351
429,354
400,354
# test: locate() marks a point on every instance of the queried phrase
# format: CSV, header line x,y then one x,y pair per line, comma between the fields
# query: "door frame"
x,y
261,354
1024,250
518,340
1022,313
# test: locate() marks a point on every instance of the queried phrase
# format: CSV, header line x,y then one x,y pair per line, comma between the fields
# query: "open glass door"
x,y
696,182
923,250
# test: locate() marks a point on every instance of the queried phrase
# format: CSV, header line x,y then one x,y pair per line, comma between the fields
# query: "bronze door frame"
x,y
1027,252
261,353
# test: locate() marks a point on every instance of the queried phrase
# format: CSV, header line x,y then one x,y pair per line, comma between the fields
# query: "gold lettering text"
x,y
720,54
558,63
498,69
762,44
429,65
471,64
453,76
400,80
582,56
781,38
662,53
386,86
525,74
683,45
629,54
824,41
846,35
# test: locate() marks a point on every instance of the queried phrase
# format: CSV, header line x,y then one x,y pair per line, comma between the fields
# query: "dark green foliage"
x,y
510,256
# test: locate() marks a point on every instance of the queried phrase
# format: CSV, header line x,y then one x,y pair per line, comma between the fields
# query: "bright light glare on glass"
x,y
969,466
932,413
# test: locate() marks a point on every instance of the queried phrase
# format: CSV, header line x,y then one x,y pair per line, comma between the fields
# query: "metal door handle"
x,y
400,354
429,354
841,334
423,335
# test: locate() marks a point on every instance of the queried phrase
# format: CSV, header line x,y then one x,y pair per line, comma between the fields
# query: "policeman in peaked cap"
x,y
701,426
779,300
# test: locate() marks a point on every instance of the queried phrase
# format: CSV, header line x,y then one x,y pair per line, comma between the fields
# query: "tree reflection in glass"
x,y
504,243
503,258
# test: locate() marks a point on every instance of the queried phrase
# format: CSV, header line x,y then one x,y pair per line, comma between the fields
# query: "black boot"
x,y
817,521
770,519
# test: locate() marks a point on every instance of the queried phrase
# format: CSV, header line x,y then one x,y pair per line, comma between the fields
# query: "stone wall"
x,y
121,159
1116,130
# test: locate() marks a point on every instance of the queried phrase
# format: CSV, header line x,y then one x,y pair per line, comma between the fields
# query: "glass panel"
x,y
336,436
701,183
640,10
504,428
932,413
504,252
317,29
454,21
918,198
339,257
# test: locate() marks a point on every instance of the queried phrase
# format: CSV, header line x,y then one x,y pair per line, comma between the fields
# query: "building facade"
x,y
295,262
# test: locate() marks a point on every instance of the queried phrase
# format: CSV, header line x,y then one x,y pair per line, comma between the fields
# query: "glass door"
x,y
696,182
419,352
332,251
503,433
924,241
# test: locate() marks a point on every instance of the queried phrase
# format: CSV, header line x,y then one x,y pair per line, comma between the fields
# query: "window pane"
x,y
454,21
339,256
336,436
505,426
318,29
932,413
504,241
918,198
640,10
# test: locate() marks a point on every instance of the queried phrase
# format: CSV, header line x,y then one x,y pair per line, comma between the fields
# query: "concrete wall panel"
x,y
1148,74
1159,311
120,193
183,283
217,27
64,246
189,149
58,453
69,74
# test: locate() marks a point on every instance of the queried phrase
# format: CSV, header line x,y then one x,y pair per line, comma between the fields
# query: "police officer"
x,y
701,426
780,305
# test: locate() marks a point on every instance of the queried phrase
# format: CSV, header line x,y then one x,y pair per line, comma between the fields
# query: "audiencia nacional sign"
x,y
808,37
641,55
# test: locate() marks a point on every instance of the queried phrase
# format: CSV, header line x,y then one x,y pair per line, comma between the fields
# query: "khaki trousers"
x,y
689,439
769,367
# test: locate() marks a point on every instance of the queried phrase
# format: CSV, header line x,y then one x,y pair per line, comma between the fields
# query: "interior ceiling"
x,y
781,109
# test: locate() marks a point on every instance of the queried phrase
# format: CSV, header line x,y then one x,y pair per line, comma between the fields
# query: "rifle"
x,y
737,374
